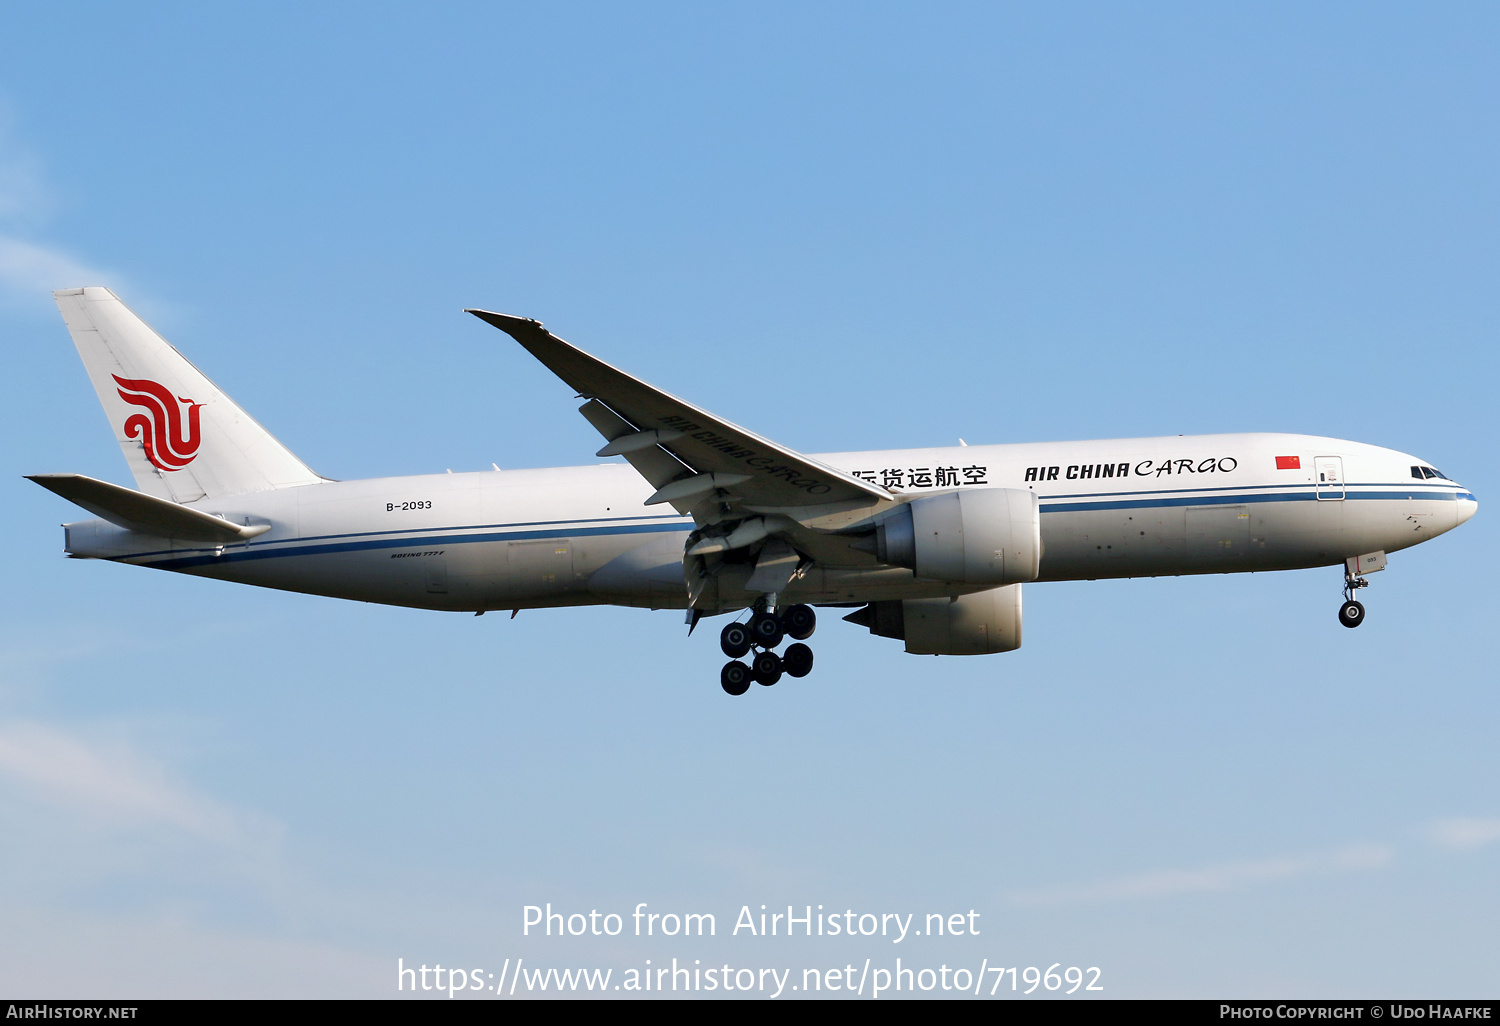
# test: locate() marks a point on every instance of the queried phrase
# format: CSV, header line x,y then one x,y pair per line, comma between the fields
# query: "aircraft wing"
x,y
688,454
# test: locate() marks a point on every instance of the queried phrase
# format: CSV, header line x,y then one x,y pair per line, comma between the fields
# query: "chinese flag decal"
x,y
1289,463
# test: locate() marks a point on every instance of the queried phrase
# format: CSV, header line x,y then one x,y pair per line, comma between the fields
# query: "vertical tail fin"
x,y
183,438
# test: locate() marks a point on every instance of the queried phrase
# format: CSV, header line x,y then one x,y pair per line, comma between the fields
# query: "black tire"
x,y
800,621
766,630
797,660
767,669
1351,614
734,678
734,639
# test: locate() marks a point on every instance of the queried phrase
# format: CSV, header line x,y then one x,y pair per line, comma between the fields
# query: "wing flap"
x,y
652,462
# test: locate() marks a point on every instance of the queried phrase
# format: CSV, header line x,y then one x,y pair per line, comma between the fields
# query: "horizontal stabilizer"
x,y
146,514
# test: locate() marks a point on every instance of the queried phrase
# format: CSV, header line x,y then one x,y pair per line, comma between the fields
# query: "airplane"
x,y
930,546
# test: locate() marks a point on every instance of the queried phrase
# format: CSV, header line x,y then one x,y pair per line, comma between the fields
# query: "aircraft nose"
x,y
1467,506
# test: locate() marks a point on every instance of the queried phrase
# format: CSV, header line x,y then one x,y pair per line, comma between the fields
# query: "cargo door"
x,y
540,567
1218,533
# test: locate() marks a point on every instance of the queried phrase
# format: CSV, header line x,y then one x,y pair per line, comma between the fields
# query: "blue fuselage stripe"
x,y
365,541
1143,500
204,557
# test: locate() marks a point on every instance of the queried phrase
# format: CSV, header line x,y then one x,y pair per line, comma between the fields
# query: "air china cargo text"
x,y
1144,468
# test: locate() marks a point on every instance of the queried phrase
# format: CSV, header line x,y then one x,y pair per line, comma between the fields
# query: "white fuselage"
x,y
580,535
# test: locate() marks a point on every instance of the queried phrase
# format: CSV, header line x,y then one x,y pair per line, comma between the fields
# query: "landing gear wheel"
x,y
797,660
767,668
1351,614
734,639
766,630
800,621
735,678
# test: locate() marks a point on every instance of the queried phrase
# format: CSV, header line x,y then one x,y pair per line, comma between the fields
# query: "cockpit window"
x,y
1416,472
1426,472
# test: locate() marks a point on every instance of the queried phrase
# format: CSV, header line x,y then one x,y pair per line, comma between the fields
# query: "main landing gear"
x,y
764,632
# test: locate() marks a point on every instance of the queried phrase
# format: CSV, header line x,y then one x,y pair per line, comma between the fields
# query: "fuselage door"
x,y
540,567
1329,472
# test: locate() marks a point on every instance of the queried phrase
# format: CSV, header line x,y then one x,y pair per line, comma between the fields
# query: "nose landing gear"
x,y
1352,612
765,631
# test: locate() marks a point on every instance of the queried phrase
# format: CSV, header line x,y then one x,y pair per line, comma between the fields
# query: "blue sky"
x,y
845,226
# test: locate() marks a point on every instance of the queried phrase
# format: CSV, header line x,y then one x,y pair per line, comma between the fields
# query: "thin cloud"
x,y
108,785
1464,834
1224,877
165,955
24,195
32,270
80,813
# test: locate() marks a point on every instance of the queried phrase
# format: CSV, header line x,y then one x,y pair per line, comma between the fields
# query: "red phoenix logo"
x,y
161,433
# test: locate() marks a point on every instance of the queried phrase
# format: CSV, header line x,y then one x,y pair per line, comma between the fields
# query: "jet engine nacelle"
x,y
977,624
974,536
